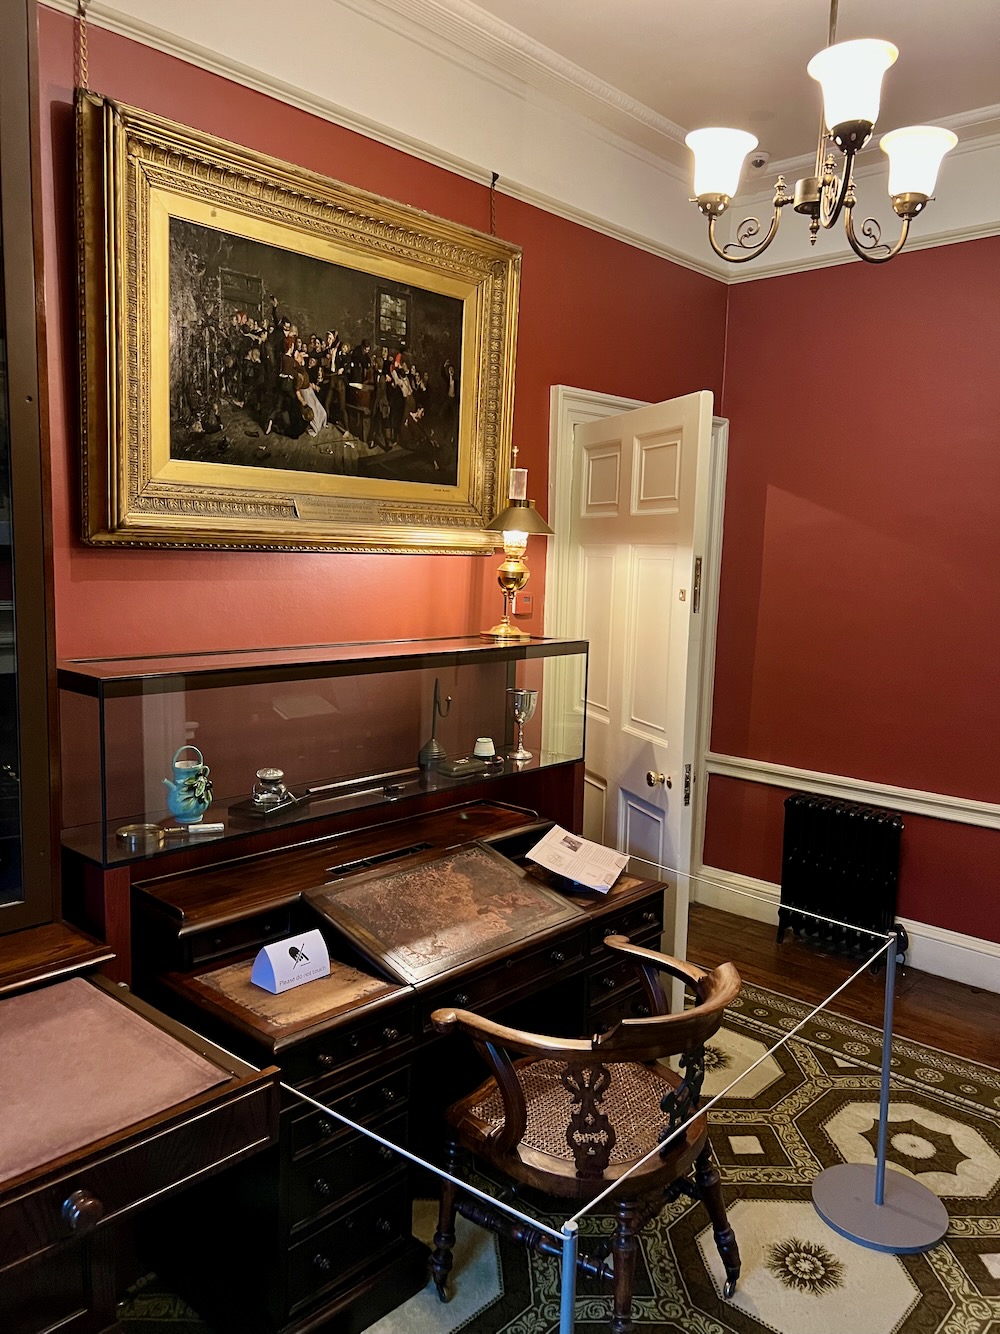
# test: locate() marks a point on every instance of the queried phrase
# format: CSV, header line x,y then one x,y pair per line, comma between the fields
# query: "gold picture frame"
x,y
183,241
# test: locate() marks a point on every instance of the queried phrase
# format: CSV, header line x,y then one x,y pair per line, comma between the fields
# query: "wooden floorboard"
x,y
950,1015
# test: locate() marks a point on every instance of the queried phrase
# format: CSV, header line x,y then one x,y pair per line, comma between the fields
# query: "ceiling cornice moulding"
x,y
648,207
448,25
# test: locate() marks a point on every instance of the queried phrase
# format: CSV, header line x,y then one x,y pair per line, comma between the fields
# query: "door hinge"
x,y
696,601
688,780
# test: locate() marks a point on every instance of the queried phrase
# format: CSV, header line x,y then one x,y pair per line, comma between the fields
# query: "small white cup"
x,y
484,747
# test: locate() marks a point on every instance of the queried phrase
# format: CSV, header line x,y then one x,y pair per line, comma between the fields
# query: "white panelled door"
x,y
638,525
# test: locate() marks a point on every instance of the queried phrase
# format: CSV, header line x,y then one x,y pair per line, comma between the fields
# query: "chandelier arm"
x,y
868,250
830,187
745,232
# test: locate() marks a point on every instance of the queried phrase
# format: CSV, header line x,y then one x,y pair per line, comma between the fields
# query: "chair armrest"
x,y
665,963
485,1030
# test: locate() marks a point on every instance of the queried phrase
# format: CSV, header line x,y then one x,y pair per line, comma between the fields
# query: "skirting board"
x,y
932,949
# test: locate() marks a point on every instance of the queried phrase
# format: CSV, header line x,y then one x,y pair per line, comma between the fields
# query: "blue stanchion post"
x,y
883,1102
568,1292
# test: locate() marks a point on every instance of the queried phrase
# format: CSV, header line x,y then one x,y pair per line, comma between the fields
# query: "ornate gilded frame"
x,y
137,170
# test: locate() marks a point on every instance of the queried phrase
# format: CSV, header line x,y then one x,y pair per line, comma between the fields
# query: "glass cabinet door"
x,y
28,888
11,869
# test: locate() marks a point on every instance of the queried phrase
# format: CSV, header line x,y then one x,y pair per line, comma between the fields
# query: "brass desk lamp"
x,y
516,523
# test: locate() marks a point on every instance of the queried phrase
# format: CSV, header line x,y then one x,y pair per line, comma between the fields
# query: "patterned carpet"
x,y
812,1104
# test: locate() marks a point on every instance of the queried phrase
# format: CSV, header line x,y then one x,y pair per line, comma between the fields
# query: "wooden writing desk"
x,y
316,1235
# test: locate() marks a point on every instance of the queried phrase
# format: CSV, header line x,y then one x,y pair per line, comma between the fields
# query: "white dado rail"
x,y
932,949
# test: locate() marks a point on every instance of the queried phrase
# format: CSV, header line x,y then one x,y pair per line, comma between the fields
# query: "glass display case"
x,y
161,753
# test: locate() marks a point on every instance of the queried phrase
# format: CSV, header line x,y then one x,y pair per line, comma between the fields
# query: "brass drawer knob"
x,y
326,1060
608,983
557,957
462,1000
650,917
322,1263
325,1126
82,1211
322,1188
390,1034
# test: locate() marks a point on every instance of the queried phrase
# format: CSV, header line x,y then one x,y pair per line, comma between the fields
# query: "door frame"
x,y
567,407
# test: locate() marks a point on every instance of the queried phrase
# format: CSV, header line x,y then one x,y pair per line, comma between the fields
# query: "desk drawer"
x,y
321,1182
391,1034
486,991
631,1005
122,1179
257,930
329,1257
361,1104
612,981
639,922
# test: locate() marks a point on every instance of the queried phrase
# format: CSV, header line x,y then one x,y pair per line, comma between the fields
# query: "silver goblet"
x,y
521,704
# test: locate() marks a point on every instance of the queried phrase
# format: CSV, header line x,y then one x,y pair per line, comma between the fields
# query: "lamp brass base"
x,y
504,631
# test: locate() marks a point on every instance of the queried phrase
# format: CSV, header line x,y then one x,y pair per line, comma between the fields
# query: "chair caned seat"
x,y
634,1094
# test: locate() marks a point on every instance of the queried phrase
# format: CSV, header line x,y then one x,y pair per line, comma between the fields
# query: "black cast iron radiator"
x,y
839,859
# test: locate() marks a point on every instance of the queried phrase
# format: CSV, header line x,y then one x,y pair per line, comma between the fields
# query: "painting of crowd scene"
x,y
280,360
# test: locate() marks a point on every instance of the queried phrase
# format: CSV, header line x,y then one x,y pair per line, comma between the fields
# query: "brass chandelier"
x,y
850,75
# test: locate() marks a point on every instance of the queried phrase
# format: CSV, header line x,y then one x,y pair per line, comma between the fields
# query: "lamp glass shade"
x,y
513,537
915,154
718,159
850,75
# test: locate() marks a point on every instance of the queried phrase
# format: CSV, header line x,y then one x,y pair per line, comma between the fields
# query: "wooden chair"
x,y
572,1115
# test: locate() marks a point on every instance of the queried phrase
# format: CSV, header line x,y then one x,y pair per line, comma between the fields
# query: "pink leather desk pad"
x,y
75,1065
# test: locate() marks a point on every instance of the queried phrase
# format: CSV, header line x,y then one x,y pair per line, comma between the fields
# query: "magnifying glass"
x,y
146,837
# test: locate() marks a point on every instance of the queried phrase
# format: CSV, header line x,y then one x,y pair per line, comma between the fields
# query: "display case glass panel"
x,y
11,878
285,736
29,883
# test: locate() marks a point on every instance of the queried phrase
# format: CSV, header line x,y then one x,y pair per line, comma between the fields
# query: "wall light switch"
x,y
525,605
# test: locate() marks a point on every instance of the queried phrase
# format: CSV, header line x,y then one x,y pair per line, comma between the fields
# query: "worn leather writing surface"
x,y
437,912
75,1066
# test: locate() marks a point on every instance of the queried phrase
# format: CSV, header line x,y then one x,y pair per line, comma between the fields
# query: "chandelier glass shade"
x,y
850,76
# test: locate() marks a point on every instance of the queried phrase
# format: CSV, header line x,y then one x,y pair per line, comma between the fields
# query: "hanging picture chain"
x,y
82,70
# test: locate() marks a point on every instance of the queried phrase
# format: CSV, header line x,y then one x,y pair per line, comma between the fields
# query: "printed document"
x,y
588,864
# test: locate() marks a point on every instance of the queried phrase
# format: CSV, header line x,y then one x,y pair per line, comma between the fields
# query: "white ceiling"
x,y
734,62
581,106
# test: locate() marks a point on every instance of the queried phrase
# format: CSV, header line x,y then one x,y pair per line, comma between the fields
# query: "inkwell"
x,y
432,752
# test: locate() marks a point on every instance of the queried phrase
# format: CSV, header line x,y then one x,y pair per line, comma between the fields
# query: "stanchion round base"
x,y
910,1219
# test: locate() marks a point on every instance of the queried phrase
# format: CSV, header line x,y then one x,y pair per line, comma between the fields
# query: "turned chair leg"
x,y
624,1247
709,1183
444,1237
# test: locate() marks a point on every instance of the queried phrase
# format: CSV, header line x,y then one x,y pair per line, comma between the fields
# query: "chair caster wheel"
x,y
442,1292
730,1288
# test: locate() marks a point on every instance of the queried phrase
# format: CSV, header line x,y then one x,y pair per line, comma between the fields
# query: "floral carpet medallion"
x,y
811,1104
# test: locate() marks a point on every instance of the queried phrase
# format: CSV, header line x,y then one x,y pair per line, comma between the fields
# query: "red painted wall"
x,y
591,314
859,628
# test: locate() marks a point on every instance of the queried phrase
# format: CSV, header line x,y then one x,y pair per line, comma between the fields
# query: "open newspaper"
x,y
588,864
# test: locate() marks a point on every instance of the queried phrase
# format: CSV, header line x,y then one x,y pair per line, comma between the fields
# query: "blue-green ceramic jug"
x,y
189,792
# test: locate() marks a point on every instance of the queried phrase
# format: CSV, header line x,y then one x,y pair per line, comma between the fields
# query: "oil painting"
x,y
272,359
